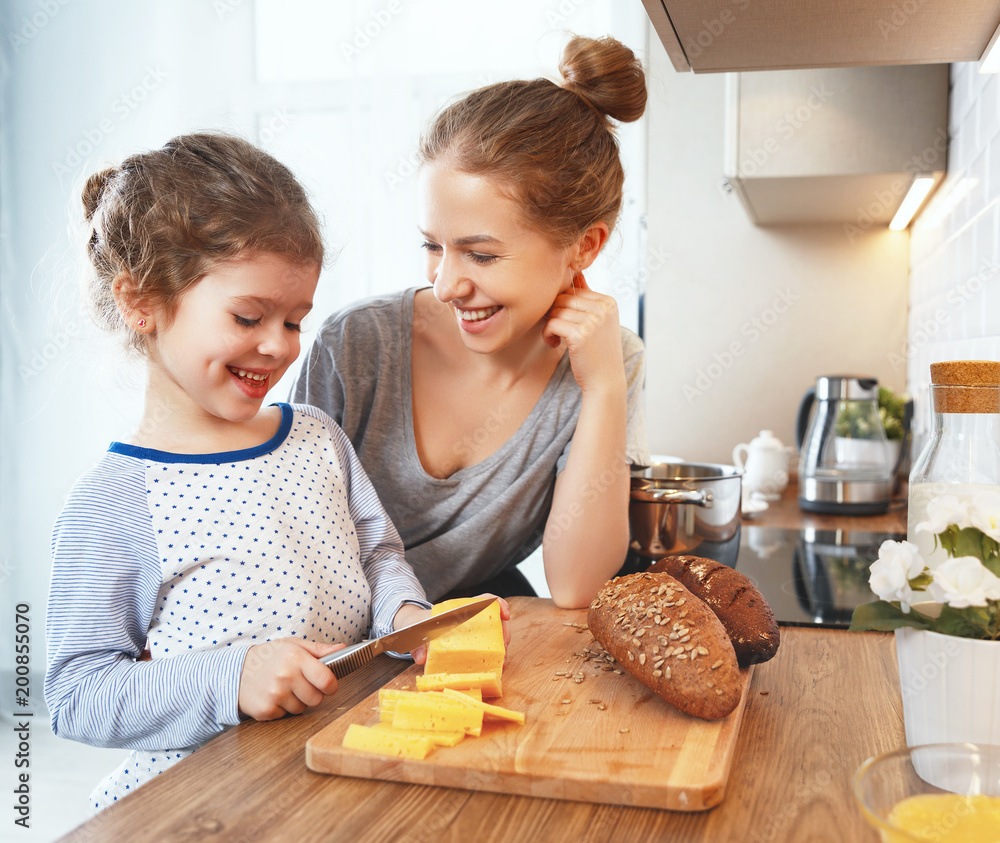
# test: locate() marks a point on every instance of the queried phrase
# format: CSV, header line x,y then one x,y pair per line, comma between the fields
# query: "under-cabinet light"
x,y
990,60
914,198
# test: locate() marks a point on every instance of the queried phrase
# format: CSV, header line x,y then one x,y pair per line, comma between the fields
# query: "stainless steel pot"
x,y
677,508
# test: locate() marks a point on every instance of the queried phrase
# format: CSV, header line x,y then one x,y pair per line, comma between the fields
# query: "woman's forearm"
x,y
587,533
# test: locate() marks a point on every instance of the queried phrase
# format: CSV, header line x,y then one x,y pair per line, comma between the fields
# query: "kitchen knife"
x,y
402,640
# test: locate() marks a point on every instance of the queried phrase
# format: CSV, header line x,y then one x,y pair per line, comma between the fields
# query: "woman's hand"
x,y
588,323
285,676
410,614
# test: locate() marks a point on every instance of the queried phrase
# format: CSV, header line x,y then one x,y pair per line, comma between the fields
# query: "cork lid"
x,y
966,373
966,386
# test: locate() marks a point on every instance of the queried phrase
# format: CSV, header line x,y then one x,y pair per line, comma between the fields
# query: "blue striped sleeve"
x,y
390,576
105,580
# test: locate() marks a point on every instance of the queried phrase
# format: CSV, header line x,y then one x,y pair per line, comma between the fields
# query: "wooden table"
x,y
827,701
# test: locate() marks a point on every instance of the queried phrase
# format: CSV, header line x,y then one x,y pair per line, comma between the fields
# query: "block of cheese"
x,y
495,711
383,742
436,715
436,738
488,683
474,647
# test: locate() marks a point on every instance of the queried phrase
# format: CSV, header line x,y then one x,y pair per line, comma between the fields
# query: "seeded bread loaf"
x,y
744,612
670,641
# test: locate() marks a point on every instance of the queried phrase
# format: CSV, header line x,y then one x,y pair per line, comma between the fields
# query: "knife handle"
x,y
349,659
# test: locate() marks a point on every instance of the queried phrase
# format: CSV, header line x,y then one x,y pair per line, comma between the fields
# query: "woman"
x,y
499,409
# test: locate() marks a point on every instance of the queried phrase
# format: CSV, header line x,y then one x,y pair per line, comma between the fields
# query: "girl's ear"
x,y
589,246
135,311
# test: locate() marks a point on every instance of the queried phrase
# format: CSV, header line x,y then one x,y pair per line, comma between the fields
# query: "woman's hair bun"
x,y
93,191
607,74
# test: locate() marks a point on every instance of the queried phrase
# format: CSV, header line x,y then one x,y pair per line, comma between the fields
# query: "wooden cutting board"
x,y
605,739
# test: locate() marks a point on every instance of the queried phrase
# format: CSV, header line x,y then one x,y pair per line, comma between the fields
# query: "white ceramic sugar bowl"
x,y
764,465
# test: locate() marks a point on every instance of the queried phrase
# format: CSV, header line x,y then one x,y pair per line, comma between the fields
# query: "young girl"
x,y
206,563
499,408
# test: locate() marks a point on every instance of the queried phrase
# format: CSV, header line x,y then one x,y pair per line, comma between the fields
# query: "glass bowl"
x,y
937,773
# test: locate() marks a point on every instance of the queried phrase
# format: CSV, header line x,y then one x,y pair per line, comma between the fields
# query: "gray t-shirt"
x,y
485,518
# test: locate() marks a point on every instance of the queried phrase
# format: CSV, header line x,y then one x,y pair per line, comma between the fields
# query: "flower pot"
x,y
950,687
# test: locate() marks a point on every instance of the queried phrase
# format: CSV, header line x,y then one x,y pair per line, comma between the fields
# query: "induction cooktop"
x,y
810,577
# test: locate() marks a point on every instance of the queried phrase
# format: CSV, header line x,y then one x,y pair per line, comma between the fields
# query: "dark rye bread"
x,y
742,609
670,641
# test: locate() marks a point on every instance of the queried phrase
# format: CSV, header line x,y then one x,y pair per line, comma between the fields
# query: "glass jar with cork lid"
x,y
962,454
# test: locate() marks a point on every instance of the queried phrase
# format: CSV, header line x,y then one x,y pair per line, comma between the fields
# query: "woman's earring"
x,y
141,323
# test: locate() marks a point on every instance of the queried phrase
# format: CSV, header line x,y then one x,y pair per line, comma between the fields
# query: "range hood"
x,y
711,36
839,145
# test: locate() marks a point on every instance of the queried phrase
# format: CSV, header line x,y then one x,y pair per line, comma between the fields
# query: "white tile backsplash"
x,y
955,243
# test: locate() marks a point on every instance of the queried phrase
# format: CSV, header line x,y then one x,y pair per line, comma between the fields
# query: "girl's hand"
x,y
420,654
588,323
285,676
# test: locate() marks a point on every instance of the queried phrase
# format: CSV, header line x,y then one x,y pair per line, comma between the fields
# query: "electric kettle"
x,y
845,466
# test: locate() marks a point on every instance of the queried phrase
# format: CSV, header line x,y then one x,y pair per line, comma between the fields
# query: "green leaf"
x,y
964,623
884,616
921,581
967,542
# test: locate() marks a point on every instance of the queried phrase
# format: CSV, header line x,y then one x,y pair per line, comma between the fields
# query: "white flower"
x,y
964,581
943,511
897,564
985,513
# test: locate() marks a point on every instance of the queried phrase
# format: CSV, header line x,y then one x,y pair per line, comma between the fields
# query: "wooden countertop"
x,y
825,703
787,514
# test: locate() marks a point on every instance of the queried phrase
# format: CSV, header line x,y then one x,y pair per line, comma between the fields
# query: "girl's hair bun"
x,y
93,191
606,74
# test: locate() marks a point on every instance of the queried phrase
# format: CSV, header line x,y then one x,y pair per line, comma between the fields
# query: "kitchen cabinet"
x,y
834,145
711,36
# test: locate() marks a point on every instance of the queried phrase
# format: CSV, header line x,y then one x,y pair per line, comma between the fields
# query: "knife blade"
x,y
402,640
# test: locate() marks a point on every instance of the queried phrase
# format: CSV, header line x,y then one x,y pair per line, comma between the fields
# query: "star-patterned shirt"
x,y
196,558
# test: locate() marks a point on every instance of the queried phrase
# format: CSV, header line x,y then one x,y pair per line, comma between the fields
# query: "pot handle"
x,y
696,496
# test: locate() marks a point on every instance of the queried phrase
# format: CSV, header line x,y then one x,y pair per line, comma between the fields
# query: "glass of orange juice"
x,y
948,792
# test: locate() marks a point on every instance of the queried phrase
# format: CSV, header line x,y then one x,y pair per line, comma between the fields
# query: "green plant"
x,y
855,421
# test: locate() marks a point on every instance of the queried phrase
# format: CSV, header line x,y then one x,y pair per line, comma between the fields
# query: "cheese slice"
x,y
475,646
487,683
495,711
384,742
436,738
437,716
388,697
